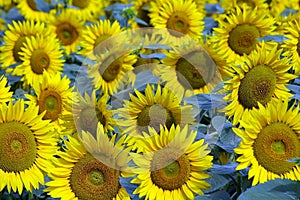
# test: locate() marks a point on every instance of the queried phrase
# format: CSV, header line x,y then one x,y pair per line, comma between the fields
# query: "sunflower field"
x,y
149,99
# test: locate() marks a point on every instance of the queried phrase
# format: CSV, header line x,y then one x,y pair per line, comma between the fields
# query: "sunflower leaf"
x,y
277,189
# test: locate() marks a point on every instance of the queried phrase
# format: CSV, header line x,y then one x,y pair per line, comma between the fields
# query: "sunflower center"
x,y
52,103
169,169
172,169
39,61
155,116
32,4
247,2
195,69
258,85
99,40
242,39
143,14
18,147
92,180
278,147
101,118
274,145
88,120
66,33
110,68
81,3
17,48
178,21
96,177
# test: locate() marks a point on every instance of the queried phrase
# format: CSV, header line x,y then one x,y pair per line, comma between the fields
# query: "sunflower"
x,y
179,17
68,29
269,139
29,10
86,9
39,54
94,35
5,95
261,78
249,4
88,111
276,7
89,169
292,45
53,96
238,33
15,38
141,8
172,165
27,144
191,70
112,69
155,108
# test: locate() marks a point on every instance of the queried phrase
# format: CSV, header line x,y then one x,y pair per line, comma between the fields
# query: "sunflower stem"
x,y
30,196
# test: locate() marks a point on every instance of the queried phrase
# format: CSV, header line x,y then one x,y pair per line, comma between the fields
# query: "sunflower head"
x,y
94,170
261,78
23,139
68,29
168,164
270,137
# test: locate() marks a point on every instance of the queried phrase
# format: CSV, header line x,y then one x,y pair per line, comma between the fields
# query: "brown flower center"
x,y
52,103
169,170
81,3
195,70
17,48
18,147
154,116
243,38
274,145
39,61
67,33
92,180
258,85
179,22
110,68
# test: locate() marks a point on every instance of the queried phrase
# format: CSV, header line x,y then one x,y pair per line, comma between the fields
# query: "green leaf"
x,y
278,189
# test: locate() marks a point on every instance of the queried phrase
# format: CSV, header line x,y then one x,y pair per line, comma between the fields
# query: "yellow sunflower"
x,y
292,45
27,145
15,38
88,111
29,10
249,4
190,70
94,35
87,9
89,169
112,69
39,54
68,29
5,94
269,139
141,8
154,108
238,33
172,165
262,77
53,95
276,7
180,16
